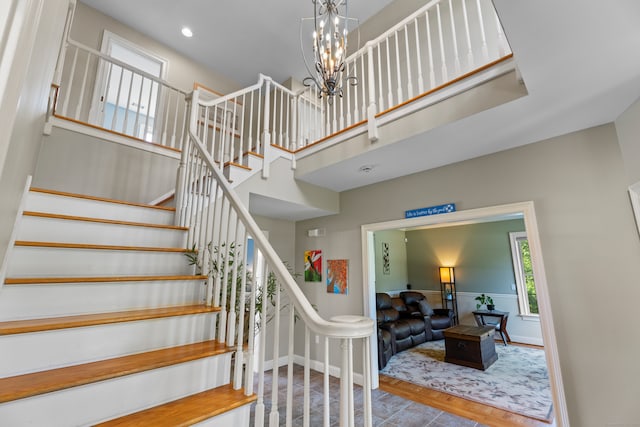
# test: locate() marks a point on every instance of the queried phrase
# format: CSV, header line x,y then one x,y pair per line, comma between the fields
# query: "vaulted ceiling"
x,y
578,58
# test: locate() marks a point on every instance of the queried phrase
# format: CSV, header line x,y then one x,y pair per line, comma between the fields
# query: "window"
x,y
128,101
523,269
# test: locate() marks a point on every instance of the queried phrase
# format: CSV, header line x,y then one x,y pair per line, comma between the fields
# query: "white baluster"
x,y
327,391
117,106
71,82
83,86
237,377
390,93
470,60
349,122
237,263
398,73
454,37
483,35
137,122
503,44
366,383
292,320
172,144
266,138
274,416
259,411
166,116
146,122
445,74
248,382
419,56
408,55
432,71
372,126
380,96
364,95
305,384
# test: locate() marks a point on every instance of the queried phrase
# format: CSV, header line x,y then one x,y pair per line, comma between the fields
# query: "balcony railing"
x,y
95,89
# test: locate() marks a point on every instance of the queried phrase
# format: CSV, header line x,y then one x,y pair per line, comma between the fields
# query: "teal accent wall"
x,y
480,253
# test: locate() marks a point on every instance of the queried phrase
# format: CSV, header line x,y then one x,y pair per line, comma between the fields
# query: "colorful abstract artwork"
x,y
337,273
313,266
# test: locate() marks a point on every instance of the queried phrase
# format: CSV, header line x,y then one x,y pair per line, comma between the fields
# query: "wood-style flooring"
x,y
478,412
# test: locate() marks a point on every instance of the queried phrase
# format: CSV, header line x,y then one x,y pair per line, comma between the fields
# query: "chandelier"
x,y
329,42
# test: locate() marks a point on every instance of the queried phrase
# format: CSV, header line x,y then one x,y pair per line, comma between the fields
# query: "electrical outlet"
x,y
513,287
317,339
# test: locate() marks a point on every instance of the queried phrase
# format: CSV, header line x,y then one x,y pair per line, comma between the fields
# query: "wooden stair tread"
x,y
99,279
99,247
99,199
47,324
186,411
102,220
33,384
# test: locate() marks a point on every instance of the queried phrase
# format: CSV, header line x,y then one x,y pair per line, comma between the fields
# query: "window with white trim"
x,y
523,269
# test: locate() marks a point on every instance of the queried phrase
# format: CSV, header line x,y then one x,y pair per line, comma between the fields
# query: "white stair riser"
x,y
51,262
52,300
38,351
44,229
105,400
43,202
236,417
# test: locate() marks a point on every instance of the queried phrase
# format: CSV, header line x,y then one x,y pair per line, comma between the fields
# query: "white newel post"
x,y
266,136
181,208
372,126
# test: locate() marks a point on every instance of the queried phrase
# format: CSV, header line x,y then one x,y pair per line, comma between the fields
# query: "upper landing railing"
x,y
442,43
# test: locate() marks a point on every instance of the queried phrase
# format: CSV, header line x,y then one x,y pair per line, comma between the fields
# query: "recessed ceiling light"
x,y
186,31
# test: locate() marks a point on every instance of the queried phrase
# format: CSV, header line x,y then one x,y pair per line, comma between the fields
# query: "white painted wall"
x,y
579,188
23,105
89,24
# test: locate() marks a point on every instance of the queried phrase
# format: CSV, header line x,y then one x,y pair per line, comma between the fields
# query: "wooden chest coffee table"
x,y
471,346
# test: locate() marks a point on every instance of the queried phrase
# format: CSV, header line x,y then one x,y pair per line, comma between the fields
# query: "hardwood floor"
x,y
478,412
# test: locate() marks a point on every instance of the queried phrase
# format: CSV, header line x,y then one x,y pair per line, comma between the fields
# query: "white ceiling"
x,y
239,38
580,61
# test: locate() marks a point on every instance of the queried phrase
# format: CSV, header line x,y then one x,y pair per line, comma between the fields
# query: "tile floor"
x,y
388,409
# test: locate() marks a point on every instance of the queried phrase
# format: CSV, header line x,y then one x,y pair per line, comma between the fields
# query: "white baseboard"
x,y
14,232
316,365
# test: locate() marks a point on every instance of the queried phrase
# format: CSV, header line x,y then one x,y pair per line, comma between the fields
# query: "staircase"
x,y
103,321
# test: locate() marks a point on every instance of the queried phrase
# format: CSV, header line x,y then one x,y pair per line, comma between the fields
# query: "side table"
x,y
497,319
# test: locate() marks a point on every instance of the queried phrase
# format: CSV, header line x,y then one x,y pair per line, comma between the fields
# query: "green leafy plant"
x,y
223,255
483,300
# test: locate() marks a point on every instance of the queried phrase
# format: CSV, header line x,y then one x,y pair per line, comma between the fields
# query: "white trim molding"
x,y
634,195
524,210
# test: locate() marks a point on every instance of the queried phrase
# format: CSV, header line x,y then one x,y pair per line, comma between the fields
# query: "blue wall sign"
x,y
431,210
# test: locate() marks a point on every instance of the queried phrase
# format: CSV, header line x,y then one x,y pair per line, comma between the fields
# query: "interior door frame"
x,y
526,210
96,115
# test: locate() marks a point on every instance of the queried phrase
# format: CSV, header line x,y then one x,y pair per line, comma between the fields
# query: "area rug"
x,y
517,382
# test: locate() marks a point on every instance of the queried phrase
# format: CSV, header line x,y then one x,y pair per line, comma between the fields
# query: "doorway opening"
x,y
523,210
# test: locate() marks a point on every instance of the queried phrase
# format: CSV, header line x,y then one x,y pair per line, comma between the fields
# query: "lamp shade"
x,y
447,275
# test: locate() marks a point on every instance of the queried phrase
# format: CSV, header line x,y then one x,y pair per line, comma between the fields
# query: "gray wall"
x,y
69,161
397,278
578,185
480,253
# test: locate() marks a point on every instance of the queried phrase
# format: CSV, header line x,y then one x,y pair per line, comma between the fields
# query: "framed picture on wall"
x,y
634,194
337,276
313,266
386,262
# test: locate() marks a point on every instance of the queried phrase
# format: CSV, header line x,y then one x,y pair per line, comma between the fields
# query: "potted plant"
x,y
485,300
